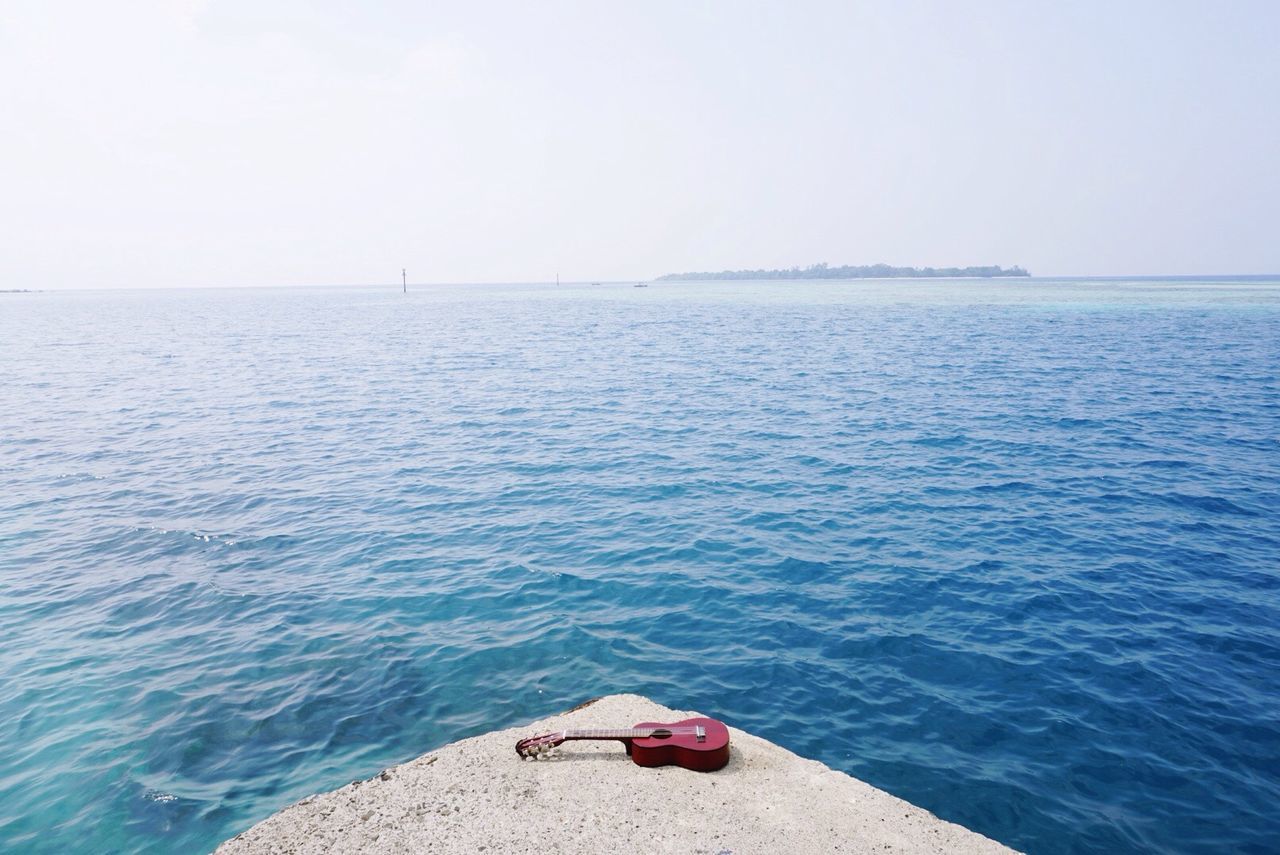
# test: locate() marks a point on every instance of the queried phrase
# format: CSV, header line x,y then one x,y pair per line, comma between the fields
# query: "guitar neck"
x,y
625,733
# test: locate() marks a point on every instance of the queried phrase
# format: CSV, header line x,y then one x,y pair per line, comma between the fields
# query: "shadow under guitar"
x,y
618,755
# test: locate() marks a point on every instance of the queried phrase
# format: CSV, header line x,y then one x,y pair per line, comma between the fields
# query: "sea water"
x,y
1009,550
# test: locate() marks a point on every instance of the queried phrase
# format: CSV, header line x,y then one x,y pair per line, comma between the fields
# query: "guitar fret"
x,y
628,733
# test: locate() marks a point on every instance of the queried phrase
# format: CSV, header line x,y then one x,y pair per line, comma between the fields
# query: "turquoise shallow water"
x,y
1009,550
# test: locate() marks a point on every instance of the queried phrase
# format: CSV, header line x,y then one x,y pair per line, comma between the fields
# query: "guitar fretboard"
x,y
625,733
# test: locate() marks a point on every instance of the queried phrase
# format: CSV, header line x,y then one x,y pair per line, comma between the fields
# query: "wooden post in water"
x,y
404,282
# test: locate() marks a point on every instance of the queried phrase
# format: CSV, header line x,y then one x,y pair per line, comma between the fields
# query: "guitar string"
x,y
619,734
639,733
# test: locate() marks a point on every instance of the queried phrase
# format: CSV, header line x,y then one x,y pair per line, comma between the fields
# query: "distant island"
x,y
864,271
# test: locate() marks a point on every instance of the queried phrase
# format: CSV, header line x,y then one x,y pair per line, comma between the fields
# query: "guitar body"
x,y
681,748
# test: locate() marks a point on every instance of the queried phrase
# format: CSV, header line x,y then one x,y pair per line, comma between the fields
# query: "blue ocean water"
x,y
1009,550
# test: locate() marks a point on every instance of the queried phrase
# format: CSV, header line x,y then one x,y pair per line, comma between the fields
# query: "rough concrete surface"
x,y
476,795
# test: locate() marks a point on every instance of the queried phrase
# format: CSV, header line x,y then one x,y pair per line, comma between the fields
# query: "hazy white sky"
x,y
242,142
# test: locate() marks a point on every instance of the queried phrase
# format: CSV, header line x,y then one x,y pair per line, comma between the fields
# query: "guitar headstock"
x,y
535,746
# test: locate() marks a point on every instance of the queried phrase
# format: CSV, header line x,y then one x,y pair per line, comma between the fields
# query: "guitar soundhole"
x,y
660,734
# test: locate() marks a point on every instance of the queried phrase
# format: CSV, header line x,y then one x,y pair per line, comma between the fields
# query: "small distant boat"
x,y
641,285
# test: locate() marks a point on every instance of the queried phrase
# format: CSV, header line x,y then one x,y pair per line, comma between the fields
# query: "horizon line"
x,y
562,282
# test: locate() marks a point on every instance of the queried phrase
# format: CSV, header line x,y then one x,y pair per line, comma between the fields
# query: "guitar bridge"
x,y
700,733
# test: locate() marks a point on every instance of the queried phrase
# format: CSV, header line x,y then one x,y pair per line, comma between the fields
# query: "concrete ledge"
x,y
477,796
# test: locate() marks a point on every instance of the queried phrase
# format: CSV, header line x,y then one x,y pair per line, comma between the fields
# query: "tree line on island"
x,y
848,271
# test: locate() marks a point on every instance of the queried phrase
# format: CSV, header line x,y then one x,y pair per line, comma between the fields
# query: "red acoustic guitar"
x,y
701,744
